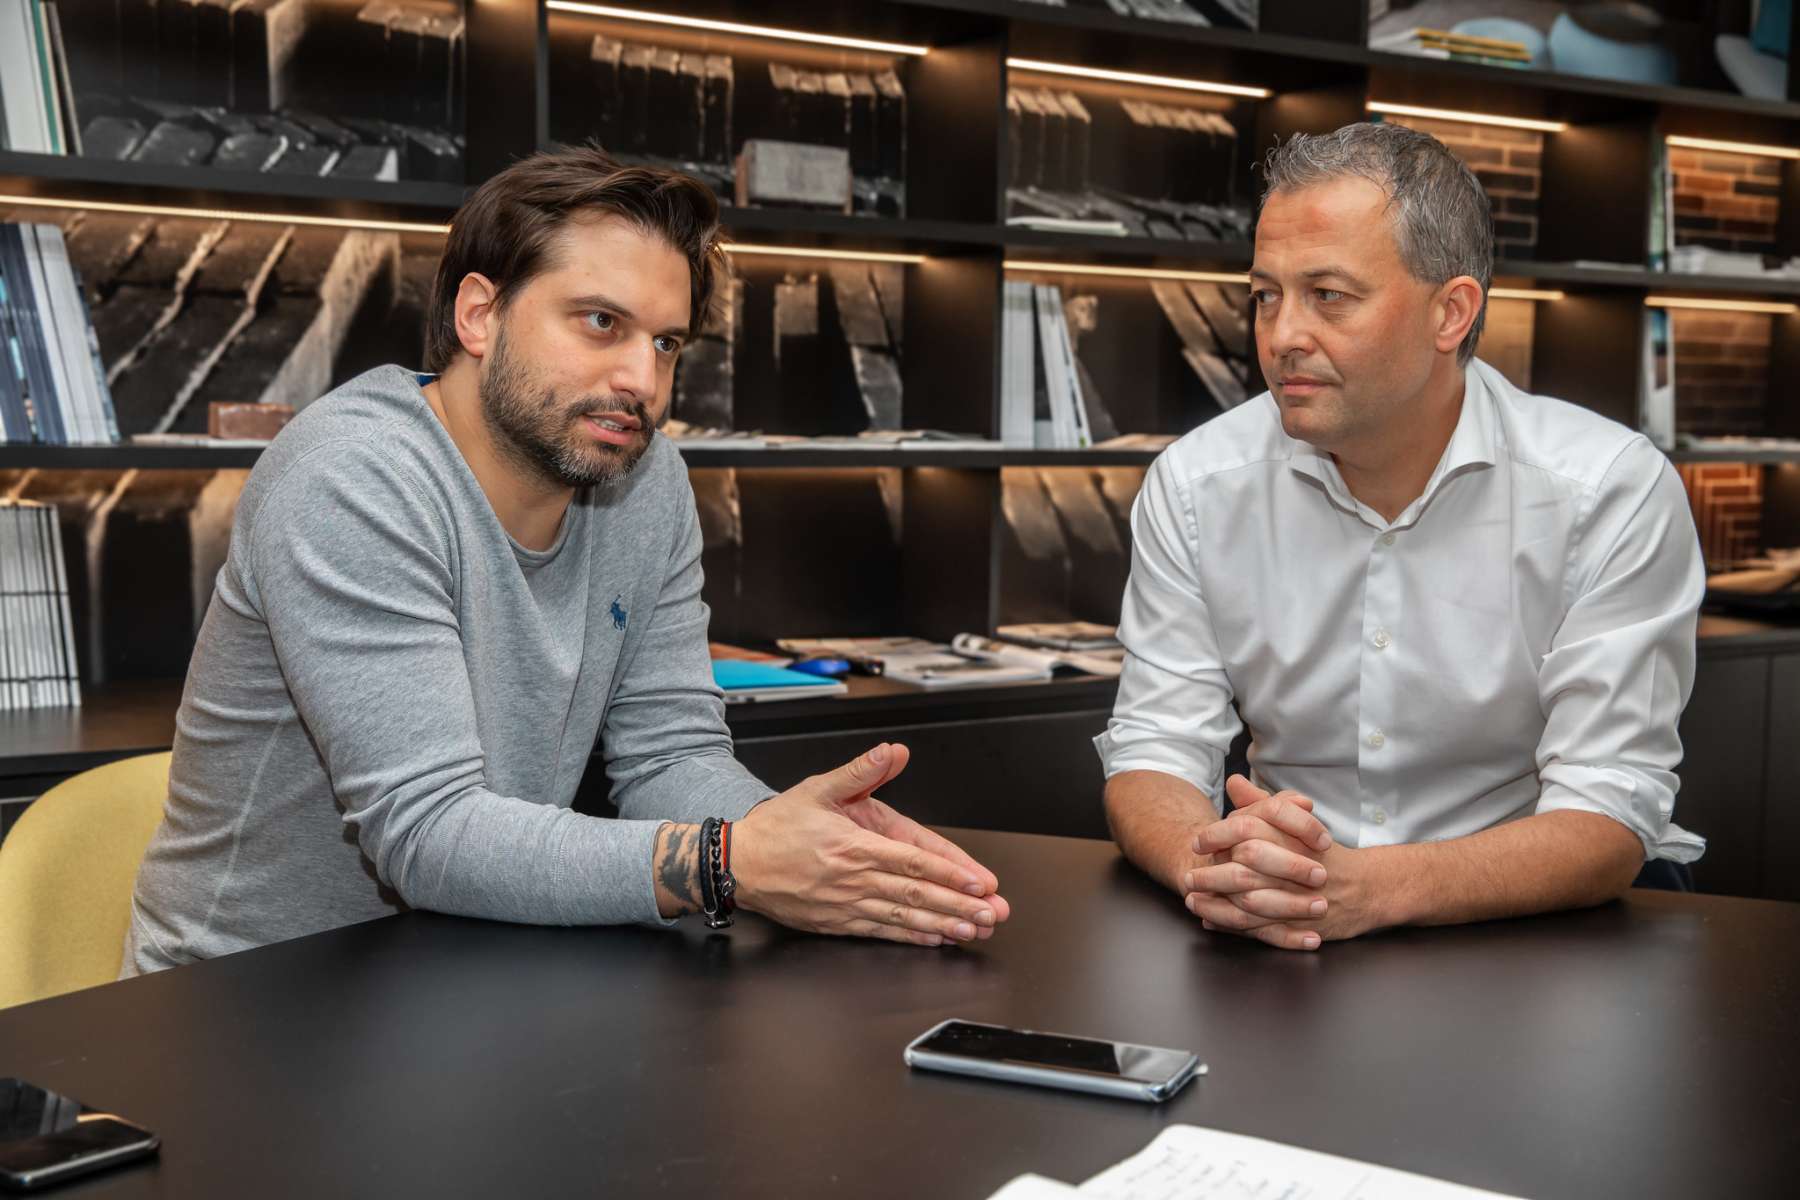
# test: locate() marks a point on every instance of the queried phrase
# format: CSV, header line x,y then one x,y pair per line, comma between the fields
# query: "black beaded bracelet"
x,y
717,888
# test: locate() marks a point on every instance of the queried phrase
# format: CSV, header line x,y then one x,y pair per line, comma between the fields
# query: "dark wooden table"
x,y
1644,1049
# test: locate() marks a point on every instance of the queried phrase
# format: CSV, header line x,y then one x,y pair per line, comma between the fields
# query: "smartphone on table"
x,y
46,1137
1058,1060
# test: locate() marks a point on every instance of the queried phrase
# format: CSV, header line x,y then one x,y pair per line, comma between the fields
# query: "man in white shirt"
x,y
1458,620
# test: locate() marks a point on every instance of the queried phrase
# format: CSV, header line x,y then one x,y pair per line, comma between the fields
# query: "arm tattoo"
x,y
678,864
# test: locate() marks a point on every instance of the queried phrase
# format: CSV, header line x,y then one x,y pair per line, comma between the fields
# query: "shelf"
x,y
1476,75
74,177
1748,454
843,231
202,458
1126,251
1643,279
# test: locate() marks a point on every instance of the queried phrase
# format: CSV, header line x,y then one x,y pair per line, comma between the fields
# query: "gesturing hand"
x,y
826,856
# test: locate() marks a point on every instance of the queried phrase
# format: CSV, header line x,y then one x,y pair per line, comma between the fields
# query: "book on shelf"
x,y
868,654
1063,635
1455,47
53,388
945,667
1705,260
38,665
37,107
1056,380
1018,364
1090,662
1099,227
1656,407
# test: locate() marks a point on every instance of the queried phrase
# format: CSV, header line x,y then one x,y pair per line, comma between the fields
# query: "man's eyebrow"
x,y
1330,272
613,306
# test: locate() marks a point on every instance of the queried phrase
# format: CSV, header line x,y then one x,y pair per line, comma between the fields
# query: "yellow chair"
x,y
66,874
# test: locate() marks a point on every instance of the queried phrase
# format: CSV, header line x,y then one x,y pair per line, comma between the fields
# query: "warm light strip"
x,y
1505,293
811,252
1749,306
1449,114
1162,81
762,31
1694,143
1126,272
227,214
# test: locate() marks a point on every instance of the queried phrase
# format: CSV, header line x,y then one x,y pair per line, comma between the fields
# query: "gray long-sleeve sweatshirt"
x,y
391,701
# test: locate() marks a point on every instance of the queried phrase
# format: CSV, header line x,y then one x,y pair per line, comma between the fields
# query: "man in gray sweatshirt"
x,y
442,591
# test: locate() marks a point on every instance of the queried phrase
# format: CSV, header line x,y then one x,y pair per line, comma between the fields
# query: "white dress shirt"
x,y
1519,640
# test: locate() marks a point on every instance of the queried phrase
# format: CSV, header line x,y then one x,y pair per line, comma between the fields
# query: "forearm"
x,y
1540,863
501,858
677,870
1153,818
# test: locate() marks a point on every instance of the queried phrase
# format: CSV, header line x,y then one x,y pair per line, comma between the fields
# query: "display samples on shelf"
x,y
287,87
38,666
762,125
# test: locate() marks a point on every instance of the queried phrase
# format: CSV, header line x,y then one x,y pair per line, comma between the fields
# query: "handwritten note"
x,y
1186,1162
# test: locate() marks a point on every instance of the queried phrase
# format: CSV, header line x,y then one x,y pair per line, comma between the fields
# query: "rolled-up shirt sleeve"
x,y
1621,665
1174,711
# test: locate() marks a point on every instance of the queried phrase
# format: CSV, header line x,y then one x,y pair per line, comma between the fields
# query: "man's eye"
x,y
602,322
1262,298
1327,295
667,344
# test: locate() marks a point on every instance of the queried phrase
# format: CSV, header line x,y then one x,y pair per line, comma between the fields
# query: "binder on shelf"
x,y
1018,365
1068,417
38,666
54,389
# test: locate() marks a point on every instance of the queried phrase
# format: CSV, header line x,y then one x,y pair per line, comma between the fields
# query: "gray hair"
x,y
1442,221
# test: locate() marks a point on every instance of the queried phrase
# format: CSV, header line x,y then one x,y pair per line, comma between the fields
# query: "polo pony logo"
x,y
618,611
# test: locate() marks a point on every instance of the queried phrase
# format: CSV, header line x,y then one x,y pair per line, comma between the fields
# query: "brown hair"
x,y
505,229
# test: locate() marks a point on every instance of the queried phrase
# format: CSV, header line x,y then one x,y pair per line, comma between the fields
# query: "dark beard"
x,y
545,436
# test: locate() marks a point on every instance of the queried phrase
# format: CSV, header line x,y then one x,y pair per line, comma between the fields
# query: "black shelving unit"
x,y
1310,54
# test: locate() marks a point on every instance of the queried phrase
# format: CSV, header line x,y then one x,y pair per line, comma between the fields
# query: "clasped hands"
x,y
1270,871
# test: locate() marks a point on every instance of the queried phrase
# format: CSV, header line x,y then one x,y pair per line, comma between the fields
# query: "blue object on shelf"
x,y
1506,29
734,674
830,667
1770,34
1579,51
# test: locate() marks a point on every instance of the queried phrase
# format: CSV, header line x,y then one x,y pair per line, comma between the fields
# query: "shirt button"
x,y
1377,739
1387,539
1379,816
1381,640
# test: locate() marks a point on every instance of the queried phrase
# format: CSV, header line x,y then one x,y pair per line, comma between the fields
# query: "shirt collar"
x,y
1471,447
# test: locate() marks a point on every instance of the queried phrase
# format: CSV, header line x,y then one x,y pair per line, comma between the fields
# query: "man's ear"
x,y
477,313
1461,299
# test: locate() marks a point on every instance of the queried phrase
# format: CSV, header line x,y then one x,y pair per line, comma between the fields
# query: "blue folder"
x,y
743,680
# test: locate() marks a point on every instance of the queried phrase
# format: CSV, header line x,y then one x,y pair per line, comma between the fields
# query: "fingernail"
x,y
1187,881
1310,941
985,917
1324,842
1318,906
1207,925
879,755
974,888
964,931
1191,902
1317,877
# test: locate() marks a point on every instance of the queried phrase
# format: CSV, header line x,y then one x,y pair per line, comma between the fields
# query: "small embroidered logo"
x,y
618,611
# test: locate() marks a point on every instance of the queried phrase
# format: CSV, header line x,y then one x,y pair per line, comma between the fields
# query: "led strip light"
x,y
1748,306
1449,114
1059,268
1696,143
761,31
1161,81
227,214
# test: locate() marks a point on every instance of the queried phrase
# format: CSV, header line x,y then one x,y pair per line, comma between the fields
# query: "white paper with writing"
x,y
1186,1162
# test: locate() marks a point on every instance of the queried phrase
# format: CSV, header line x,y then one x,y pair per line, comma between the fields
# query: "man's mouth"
x,y
613,428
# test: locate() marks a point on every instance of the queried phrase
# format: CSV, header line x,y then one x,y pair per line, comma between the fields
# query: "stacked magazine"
x,y
37,638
